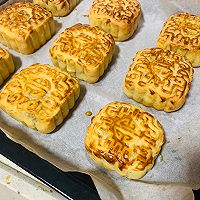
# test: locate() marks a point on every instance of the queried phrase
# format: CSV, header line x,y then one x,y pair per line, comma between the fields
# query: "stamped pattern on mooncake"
x,y
125,137
40,96
159,78
119,10
181,34
83,51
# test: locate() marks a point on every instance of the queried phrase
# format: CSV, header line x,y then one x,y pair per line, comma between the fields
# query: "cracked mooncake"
x,y
6,65
83,51
159,78
124,138
58,7
40,96
120,18
181,34
25,27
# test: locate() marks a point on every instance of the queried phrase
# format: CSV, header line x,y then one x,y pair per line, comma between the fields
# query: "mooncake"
x,y
58,7
6,65
124,138
120,18
40,96
181,34
83,51
159,78
25,27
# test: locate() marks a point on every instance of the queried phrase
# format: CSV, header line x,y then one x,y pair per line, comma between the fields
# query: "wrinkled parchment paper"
x,y
177,168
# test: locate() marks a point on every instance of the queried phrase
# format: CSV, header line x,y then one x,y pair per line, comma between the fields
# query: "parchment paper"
x,y
178,166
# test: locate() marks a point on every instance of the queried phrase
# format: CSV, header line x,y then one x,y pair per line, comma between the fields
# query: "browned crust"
x,y
182,30
18,20
58,7
181,34
159,78
84,51
124,138
40,96
3,53
120,11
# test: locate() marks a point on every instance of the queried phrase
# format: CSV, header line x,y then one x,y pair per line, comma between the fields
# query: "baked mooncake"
x,y
6,65
181,34
120,18
25,27
58,7
40,96
124,138
83,51
159,78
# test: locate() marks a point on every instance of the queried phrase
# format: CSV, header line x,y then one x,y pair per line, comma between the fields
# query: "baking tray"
x,y
72,185
3,1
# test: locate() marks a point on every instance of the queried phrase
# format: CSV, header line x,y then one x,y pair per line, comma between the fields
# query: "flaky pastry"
x,y
159,78
124,138
40,96
25,27
83,51
6,65
58,7
181,34
120,18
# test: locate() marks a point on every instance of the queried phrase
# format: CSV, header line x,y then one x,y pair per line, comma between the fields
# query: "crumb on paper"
x,y
45,189
179,138
178,158
88,113
86,15
18,192
152,175
161,157
168,142
8,179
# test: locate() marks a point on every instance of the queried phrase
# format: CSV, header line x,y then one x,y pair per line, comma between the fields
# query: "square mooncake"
x,y
120,18
6,65
159,78
181,34
124,138
83,51
25,27
40,96
58,7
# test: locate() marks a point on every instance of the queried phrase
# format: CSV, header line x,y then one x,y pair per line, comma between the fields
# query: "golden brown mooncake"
x,y
120,18
58,7
6,65
181,34
83,51
124,138
159,78
25,27
40,96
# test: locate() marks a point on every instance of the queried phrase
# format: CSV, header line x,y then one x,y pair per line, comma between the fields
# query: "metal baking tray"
x,y
72,185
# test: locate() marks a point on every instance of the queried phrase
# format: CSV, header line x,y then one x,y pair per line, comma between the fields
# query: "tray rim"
x,y
2,2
